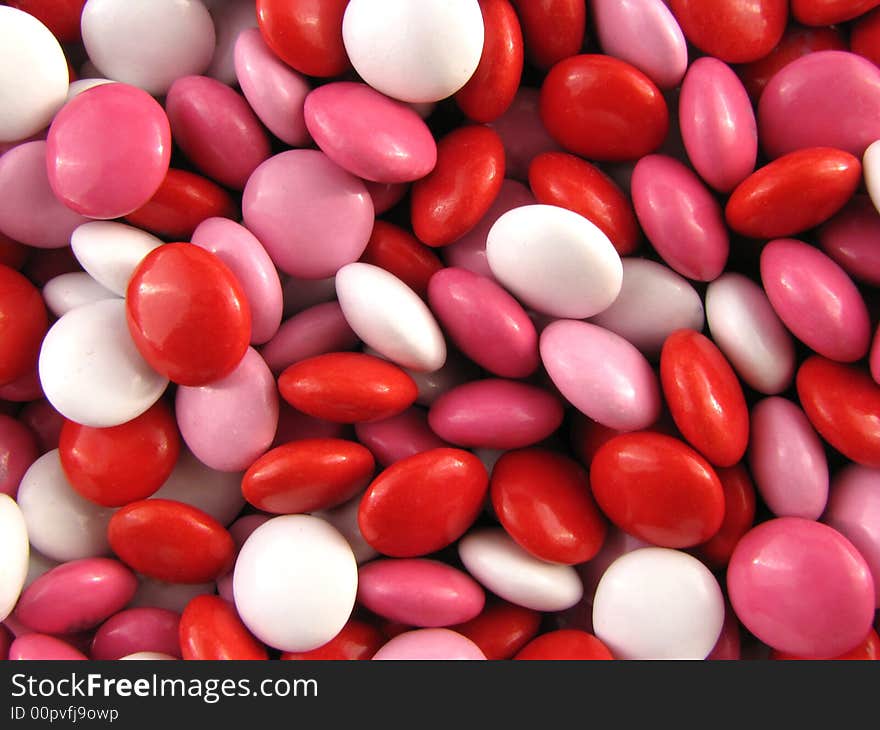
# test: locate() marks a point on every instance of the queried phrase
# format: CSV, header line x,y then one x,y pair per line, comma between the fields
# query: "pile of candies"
x,y
452,329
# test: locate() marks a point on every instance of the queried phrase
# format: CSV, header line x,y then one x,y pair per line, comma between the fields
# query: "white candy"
x,y
657,603
91,371
61,524
653,302
414,51
554,261
152,593
148,656
230,18
345,519
295,582
75,289
495,560
217,493
33,75
749,333
871,171
390,317
14,551
111,251
148,43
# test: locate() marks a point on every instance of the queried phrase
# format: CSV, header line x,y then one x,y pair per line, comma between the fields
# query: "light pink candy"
x,y
275,91
398,437
680,217
39,647
851,238
523,134
495,414
314,331
240,250
427,644
718,124
29,211
231,422
312,216
816,300
787,460
854,511
137,629
18,450
601,374
485,322
419,592
76,596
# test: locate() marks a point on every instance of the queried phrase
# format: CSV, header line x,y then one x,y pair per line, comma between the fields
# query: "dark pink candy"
x,y
137,629
18,450
399,437
40,647
852,239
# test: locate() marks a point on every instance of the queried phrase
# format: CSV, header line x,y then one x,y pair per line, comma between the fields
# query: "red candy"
x,y
60,16
347,387
553,29
358,640
424,503
739,516
658,489
864,37
171,541
603,108
452,199
188,314
398,251
828,12
307,475
704,397
566,644
502,629
23,322
122,464
211,629
543,500
868,650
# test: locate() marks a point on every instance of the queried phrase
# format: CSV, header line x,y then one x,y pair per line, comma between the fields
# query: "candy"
x,y
110,251
553,29
23,322
357,640
137,630
345,519
69,291
210,629
59,16
398,437
828,12
739,516
428,644
501,629
40,647
318,330
567,644
231,19
14,548
18,450
522,133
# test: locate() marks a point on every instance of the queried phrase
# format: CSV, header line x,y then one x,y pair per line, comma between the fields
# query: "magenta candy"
x,y
485,322
801,587
418,592
495,414
76,596
6,639
275,91
368,134
427,644
312,216
399,437
22,389
718,124
108,151
469,251
874,356
137,629
216,129
231,422
823,99
816,300
523,134
850,238
601,374
314,331
240,250
45,422
787,460
854,511
29,210
680,217
18,450
385,195
39,647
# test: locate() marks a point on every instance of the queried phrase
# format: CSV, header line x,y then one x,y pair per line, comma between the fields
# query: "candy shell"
x,y
210,629
18,450
850,236
398,437
356,641
502,629
69,291
41,647
110,251
137,630
23,322
523,134
318,330
14,547
231,19
565,644
345,519
429,644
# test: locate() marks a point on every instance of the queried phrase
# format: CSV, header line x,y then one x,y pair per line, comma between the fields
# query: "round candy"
x,y
312,216
188,314
523,133
603,108
60,524
429,644
864,35
153,593
772,581
91,371
566,644
554,261
503,567
347,387
414,52
704,397
502,629
543,501
69,291
295,582
422,504
41,647
849,238
137,630
14,547
307,475
829,12
357,640
415,592
18,450
122,464
739,516
398,437
816,300
23,321
553,29
657,488
210,629
390,317
345,519
601,374
868,650
399,252
107,134
33,81
318,330
110,251
637,615
148,44
368,134
231,19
